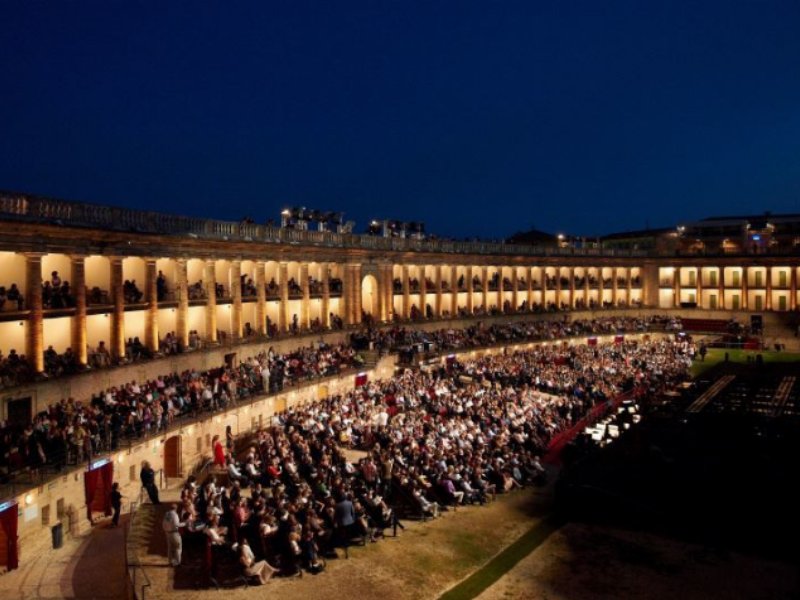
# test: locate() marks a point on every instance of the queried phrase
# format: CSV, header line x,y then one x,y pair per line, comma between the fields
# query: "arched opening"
x,y
172,457
369,296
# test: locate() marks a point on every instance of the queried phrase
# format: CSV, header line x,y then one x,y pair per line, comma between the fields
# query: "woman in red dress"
x,y
219,452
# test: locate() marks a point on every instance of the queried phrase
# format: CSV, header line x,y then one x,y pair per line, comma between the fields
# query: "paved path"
x,y
89,567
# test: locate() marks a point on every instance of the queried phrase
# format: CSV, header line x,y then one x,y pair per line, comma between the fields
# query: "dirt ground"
x,y
582,562
422,562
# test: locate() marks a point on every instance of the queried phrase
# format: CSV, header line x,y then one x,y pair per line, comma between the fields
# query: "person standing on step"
x,y
116,503
171,525
148,478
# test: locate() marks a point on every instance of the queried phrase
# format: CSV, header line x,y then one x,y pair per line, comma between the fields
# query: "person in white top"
x,y
172,525
252,568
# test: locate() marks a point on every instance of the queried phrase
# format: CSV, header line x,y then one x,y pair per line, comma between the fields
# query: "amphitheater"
x,y
152,294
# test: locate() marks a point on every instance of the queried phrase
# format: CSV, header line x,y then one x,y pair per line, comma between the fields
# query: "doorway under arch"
x,y
172,457
369,296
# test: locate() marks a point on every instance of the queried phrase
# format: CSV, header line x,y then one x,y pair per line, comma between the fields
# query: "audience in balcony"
x,y
197,291
12,296
14,369
161,287
248,287
58,365
169,344
195,341
100,357
135,350
273,289
57,294
131,293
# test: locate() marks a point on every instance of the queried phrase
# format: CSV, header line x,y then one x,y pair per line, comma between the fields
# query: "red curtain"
x,y
592,341
361,379
97,487
8,521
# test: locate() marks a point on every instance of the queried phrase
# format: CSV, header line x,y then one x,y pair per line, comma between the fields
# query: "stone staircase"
x,y
371,358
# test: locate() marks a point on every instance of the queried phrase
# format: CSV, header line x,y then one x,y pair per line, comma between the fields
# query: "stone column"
x,y
586,286
423,292
346,300
356,285
600,287
117,348
326,296
768,301
236,299
406,293
571,275
210,281
305,303
530,288
283,307
261,298
630,284
151,299
78,341
745,288
453,291
721,288
699,289
793,288
182,289
544,288
677,283
558,287
470,291
34,340
501,289
437,274
388,293
485,286
514,291
651,295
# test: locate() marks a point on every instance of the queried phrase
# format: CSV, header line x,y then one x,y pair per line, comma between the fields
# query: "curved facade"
x,y
134,274
211,285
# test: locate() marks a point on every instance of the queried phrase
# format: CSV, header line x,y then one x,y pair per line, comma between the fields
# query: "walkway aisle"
x,y
89,567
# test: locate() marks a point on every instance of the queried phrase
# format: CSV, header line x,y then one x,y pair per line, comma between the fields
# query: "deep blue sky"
x,y
480,118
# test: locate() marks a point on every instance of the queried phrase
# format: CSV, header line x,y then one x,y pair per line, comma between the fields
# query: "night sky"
x,y
479,118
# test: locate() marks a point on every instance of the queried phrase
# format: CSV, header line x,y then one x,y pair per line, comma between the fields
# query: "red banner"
x,y
8,524
97,487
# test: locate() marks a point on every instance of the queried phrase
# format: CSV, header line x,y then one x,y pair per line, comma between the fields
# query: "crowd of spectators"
x,y
481,334
138,412
57,293
428,440
12,296
73,430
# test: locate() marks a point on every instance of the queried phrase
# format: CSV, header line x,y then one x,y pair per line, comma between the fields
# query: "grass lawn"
x,y
717,355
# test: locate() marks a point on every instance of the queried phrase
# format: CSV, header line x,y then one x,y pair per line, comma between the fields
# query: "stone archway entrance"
x,y
172,457
370,299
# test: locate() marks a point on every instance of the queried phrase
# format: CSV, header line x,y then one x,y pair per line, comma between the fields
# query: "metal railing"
x,y
137,576
21,481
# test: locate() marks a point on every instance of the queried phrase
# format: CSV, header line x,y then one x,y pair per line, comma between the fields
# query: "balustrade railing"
x,y
80,214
